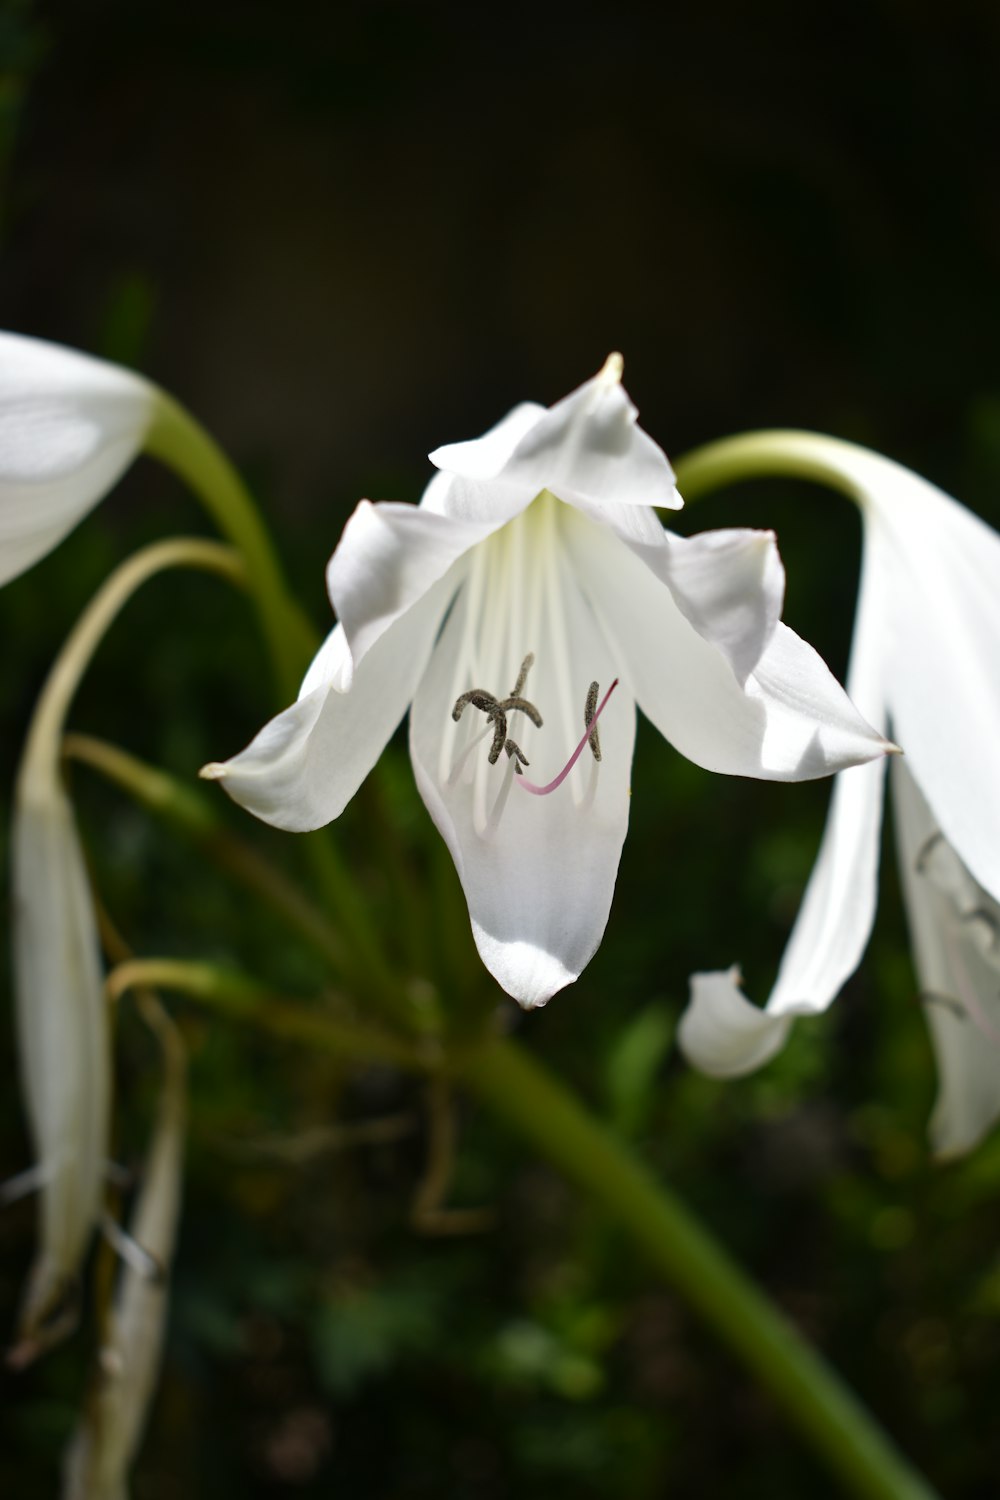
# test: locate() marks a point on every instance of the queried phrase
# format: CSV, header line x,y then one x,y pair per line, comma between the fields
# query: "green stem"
x,y
242,999
196,817
180,442
520,1090
537,1105
41,749
184,446
775,453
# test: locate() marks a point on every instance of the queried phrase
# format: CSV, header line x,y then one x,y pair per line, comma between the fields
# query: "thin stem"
x,y
540,1108
778,453
41,751
243,999
537,1105
180,442
196,817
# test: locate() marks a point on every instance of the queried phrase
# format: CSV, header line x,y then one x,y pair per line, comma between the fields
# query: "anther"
x,y
496,712
543,791
590,721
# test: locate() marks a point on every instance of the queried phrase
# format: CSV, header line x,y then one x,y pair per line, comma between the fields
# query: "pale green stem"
x,y
540,1108
196,816
177,440
243,999
41,750
775,453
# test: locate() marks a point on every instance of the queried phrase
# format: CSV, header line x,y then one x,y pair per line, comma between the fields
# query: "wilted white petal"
x,y
954,934
588,448
304,766
63,1036
831,931
69,427
108,1437
792,721
538,872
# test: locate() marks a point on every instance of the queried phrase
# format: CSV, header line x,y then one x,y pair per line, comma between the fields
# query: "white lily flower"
x,y
70,426
534,570
923,665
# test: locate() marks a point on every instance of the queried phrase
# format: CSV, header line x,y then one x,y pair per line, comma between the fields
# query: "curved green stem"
x,y
773,453
41,750
541,1109
184,446
243,999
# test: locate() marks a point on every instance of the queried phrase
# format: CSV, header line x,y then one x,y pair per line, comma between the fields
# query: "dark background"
x,y
343,237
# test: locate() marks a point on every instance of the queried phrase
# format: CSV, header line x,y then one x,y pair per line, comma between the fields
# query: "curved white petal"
x,y
940,570
63,1037
485,457
538,872
728,584
69,427
792,721
390,555
955,931
588,447
835,920
722,1033
303,767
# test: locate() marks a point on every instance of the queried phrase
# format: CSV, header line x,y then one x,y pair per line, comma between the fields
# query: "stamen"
x,y
526,667
478,699
515,753
543,791
496,712
593,737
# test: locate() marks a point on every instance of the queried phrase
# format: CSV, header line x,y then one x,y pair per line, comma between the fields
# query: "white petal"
x,y
838,909
942,566
792,722
388,556
69,427
588,447
63,1036
722,1033
728,584
486,456
955,940
538,872
304,767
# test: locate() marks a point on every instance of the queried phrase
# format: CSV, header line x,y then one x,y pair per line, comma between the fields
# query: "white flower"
x,y
534,567
69,428
925,664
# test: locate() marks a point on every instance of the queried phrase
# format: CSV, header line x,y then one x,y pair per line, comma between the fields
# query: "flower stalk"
x,y
544,1112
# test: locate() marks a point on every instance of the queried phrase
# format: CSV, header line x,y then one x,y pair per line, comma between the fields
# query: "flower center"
x,y
496,710
591,715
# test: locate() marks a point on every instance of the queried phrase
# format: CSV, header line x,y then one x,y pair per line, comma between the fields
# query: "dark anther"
x,y
496,711
516,754
590,708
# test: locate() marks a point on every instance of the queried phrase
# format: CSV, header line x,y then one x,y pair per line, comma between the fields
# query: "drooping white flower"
x,y
925,666
534,567
70,426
